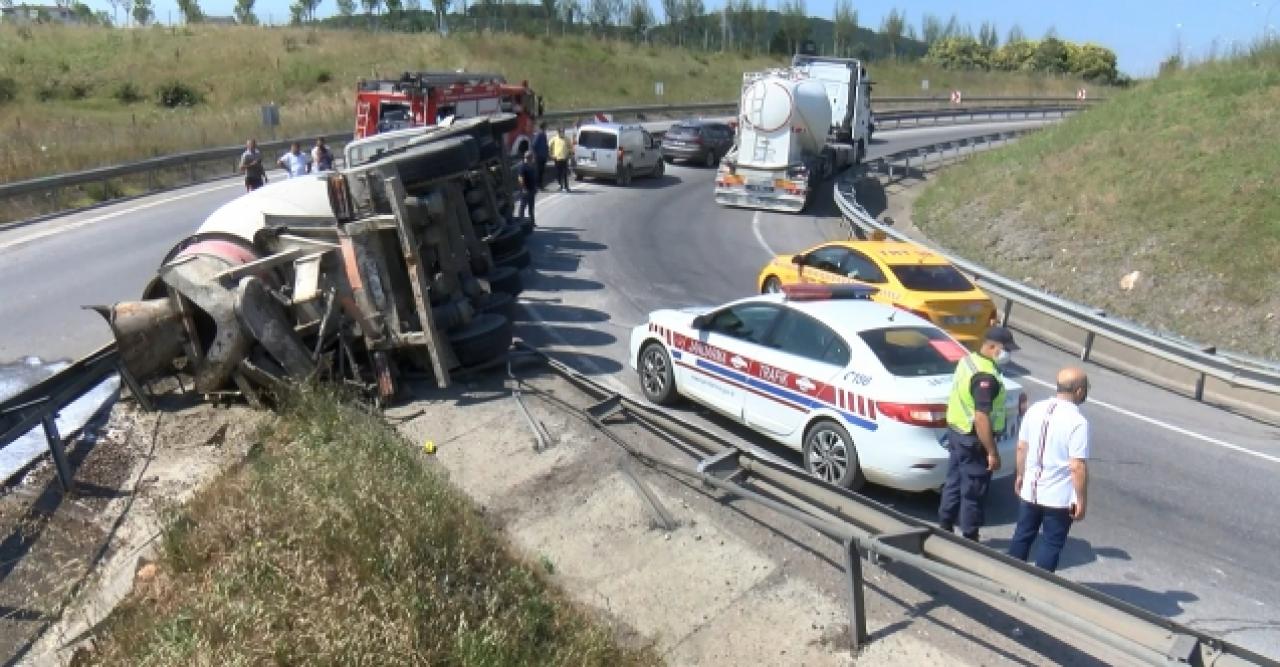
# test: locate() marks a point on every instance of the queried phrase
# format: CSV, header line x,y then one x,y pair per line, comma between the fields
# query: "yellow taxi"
x,y
908,277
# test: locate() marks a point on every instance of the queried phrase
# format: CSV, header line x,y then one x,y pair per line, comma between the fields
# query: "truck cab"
x,y
848,91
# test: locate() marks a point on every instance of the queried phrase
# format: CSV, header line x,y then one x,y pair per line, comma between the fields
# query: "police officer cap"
x,y
1003,336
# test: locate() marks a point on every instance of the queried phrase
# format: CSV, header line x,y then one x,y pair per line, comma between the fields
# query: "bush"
x,y
8,89
48,91
104,191
127,93
177,94
78,91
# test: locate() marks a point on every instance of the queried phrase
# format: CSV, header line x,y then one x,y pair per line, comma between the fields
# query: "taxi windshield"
x,y
914,351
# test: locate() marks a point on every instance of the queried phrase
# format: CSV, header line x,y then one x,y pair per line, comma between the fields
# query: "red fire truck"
x,y
426,98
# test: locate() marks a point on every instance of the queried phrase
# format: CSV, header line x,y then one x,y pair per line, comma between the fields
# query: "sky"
x,y
1142,33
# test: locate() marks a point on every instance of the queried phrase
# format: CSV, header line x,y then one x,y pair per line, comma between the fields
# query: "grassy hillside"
x,y
72,98
1178,179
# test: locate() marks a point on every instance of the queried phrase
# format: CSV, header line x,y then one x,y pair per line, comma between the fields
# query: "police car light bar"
x,y
809,292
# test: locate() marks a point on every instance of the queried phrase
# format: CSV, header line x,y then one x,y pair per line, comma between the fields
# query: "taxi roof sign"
x,y
812,292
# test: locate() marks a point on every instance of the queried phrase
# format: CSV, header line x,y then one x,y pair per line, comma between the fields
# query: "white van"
x,y
616,151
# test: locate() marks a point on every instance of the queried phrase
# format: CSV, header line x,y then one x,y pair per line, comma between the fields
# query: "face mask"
x,y
1003,357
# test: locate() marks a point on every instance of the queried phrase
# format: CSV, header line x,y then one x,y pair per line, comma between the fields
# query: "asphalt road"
x,y
1182,519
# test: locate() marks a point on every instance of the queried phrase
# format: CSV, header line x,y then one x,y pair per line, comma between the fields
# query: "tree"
x,y
959,53
987,35
370,6
311,6
441,8
795,23
190,10
244,12
640,17
1051,56
570,11
1016,56
843,27
297,11
759,23
1094,63
893,25
598,14
672,10
142,13
618,11
1015,35
692,13
346,7
549,13
393,6
930,29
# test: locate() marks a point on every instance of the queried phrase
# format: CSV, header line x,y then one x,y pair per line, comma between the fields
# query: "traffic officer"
x,y
975,418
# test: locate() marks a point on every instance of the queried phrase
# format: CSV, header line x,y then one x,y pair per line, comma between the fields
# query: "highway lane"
x,y
1178,524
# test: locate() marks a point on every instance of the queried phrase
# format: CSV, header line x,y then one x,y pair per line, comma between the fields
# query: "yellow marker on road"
x,y
429,447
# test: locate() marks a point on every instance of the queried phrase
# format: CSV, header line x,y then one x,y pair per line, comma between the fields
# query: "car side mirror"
x,y
798,259
701,322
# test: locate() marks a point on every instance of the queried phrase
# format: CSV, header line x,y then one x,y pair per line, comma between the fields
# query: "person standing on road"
x,y
540,151
1052,477
321,156
975,418
295,161
560,155
527,174
251,166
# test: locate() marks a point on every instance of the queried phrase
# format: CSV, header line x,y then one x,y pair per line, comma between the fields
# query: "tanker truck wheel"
x,y
498,303
487,336
505,279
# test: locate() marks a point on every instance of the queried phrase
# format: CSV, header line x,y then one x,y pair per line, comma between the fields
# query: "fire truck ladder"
x,y
362,117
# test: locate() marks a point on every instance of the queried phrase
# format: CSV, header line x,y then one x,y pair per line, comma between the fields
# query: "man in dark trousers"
x,y
975,418
527,175
541,151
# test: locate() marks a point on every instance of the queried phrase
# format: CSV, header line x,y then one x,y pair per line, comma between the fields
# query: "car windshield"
x,y
597,139
931,278
914,351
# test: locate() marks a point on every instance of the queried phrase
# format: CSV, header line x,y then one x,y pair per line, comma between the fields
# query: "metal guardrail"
x,y
40,403
1234,371
865,526
195,166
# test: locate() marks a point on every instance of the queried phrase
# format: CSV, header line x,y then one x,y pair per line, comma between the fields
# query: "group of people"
x,y
532,169
294,162
1051,476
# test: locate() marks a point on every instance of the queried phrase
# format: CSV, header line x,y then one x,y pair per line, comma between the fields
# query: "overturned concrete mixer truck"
x,y
408,263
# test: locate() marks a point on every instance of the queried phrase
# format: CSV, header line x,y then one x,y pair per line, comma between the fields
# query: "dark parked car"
x,y
703,141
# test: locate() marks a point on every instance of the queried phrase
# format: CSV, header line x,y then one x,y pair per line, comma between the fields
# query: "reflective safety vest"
x,y
960,406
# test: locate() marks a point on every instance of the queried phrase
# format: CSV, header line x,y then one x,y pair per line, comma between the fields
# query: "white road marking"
x,y
755,229
1167,426
151,203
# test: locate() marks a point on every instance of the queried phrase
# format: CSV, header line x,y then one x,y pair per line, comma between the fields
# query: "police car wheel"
x,y
830,455
771,285
657,380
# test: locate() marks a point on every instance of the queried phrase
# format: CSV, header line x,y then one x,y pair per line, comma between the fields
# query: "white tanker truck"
x,y
781,152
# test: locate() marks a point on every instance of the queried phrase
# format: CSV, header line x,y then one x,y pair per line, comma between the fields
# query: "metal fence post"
x,y
191,169
1008,310
857,611
151,179
59,454
1088,347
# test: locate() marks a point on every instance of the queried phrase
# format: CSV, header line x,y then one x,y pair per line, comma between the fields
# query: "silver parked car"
x,y
616,151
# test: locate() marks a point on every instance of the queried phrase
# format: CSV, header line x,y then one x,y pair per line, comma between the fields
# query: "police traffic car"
x,y
860,388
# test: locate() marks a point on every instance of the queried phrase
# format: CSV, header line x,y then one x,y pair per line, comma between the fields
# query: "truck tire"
x,y
710,160
508,240
476,196
505,279
659,169
486,337
498,303
503,123
516,260
480,215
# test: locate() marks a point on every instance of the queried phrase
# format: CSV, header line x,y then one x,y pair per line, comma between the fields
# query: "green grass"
x,y
336,545
77,97
1178,179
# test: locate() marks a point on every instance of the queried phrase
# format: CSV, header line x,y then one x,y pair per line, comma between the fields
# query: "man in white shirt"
x,y
295,161
1052,477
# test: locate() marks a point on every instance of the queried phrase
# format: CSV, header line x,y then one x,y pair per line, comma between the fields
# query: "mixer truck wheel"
x,y
505,279
488,336
516,260
509,239
435,160
498,303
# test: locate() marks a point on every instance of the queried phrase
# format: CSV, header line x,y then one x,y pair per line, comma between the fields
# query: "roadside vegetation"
x,y
78,97
336,544
1177,180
